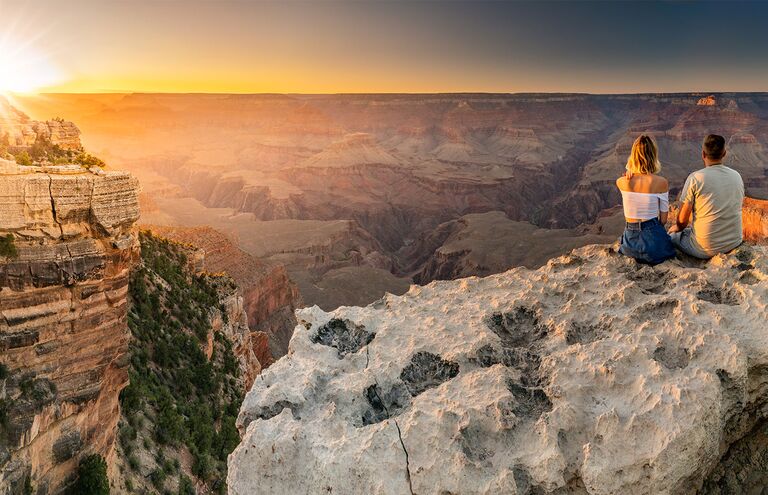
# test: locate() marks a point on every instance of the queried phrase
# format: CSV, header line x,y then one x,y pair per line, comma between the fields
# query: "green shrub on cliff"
x,y
8,246
89,161
189,401
23,158
91,477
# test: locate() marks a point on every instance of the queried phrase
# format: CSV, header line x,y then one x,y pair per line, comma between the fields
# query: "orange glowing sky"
x,y
381,46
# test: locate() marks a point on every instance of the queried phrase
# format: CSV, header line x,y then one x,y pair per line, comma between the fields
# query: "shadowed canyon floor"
x,y
368,188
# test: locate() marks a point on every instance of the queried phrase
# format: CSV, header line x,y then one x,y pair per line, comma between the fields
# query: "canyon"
x,y
335,206
592,374
356,194
63,309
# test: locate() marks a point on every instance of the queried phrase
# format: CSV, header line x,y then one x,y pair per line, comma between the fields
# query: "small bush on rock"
x,y
92,476
8,247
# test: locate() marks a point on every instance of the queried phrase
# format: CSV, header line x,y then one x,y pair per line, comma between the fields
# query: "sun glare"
x,y
23,69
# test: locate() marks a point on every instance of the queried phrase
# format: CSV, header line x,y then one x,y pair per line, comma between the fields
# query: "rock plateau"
x,y
592,374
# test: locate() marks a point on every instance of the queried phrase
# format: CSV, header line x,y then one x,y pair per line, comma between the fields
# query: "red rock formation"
x,y
707,101
755,220
63,310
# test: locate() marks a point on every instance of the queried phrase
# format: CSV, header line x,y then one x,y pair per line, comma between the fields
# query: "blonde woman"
x,y
646,205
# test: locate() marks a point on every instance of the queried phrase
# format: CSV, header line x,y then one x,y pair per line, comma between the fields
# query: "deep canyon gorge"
x,y
358,195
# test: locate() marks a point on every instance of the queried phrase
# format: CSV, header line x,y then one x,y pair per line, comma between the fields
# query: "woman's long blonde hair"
x,y
644,157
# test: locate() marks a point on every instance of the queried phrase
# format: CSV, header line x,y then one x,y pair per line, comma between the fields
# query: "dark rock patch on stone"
x,y
672,357
530,402
518,328
585,333
522,359
343,335
748,278
471,442
385,405
718,296
657,310
524,483
269,412
745,254
427,370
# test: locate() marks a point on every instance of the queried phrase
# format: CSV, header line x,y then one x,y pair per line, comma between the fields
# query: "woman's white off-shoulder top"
x,y
644,206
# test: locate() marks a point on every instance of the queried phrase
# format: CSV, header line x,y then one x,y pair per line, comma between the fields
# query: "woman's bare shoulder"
x,y
659,184
622,183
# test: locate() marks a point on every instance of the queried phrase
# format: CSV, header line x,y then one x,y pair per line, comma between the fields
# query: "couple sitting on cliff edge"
x,y
709,219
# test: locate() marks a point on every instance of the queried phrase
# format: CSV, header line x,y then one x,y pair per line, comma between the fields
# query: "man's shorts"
x,y
682,241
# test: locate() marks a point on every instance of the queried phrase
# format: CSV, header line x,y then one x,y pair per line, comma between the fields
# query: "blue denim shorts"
x,y
647,242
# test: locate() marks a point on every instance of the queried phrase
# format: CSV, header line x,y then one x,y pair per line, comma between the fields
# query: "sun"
x,y
23,68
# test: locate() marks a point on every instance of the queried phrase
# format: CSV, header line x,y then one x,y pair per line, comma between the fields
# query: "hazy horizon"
x,y
383,93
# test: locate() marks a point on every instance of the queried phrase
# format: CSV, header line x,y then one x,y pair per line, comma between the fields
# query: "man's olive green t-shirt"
x,y
716,194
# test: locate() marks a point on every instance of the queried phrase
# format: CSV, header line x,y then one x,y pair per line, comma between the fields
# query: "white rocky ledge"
x,y
589,375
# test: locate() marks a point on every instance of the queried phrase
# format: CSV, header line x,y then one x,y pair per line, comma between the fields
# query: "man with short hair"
x,y
714,196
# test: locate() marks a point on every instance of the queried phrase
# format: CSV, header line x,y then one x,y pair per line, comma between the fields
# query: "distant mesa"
x,y
707,101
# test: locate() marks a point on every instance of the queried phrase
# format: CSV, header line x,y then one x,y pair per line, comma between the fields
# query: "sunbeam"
x,y
25,63
23,68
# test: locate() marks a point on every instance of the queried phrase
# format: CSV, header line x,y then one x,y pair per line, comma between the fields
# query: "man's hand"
x,y
674,228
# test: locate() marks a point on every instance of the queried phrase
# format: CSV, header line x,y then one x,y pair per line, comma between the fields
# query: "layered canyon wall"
x,y
67,250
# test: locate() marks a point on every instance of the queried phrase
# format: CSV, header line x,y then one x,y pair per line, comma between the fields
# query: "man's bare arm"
x,y
683,217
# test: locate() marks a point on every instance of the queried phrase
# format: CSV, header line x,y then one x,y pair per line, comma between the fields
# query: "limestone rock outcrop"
x,y
19,131
64,271
592,374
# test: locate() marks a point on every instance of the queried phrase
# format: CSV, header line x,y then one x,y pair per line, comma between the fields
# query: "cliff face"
x,y
178,412
63,332
267,295
592,374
